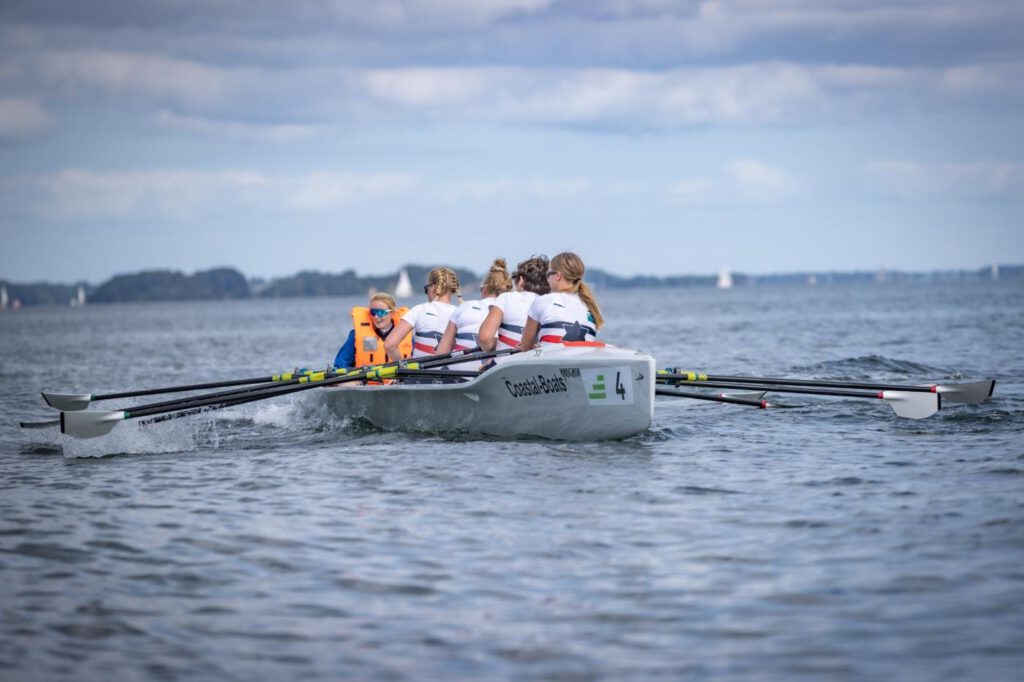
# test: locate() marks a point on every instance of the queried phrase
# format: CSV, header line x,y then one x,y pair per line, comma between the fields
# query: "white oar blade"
x,y
912,405
743,395
968,394
67,402
89,424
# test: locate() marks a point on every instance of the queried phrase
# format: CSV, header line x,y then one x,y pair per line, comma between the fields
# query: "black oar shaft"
x,y
702,379
713,398
791,389
182,389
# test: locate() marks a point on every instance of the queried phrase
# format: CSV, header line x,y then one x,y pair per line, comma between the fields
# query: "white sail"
x,y
404,287
3,298
724,279
81,296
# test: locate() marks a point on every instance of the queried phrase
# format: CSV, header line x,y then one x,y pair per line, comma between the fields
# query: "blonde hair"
x,y
497,280
387,300
444,281
570,267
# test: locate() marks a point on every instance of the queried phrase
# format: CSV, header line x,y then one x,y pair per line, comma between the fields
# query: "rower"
x,y
569,313
426,321
464,325
370,328
506,319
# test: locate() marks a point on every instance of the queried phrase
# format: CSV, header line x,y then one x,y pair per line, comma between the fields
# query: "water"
x,y
833,541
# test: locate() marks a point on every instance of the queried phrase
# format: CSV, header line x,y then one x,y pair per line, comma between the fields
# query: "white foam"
x,y
133,437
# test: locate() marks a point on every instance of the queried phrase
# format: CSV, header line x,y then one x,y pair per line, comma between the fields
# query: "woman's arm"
x,y
530,334
489,329
447,341
395,338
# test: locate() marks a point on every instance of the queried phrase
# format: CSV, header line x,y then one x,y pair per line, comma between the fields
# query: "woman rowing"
x,y
569,313
426,321
464,324
503,327
371,326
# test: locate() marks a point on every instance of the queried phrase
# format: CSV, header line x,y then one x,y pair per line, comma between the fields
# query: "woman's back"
x,y
428,321
562,316
514,307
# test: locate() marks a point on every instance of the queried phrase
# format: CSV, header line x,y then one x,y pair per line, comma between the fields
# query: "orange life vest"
x,y
369,346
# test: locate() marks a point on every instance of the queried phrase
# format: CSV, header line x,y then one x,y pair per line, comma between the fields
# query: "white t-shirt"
x,y
428,320
514,306
467,319
562,316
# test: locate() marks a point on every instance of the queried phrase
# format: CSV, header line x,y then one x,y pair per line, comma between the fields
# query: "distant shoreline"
x,y
229,283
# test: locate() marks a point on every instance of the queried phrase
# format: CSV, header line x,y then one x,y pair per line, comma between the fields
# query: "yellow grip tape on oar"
x,y
381,373
313,377
287,376
683,376
413,365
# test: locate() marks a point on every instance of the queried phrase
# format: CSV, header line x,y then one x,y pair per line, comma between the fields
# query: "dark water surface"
x,y
272,541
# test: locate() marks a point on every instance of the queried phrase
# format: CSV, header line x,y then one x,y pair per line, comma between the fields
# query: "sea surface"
x,y
272,541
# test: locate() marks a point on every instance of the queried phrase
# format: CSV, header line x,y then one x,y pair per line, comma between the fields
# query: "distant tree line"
x,y
228,283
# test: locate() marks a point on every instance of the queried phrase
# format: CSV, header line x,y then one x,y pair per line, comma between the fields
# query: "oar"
x,y
283,380
969,393
909,404
68,402
731,400
93,423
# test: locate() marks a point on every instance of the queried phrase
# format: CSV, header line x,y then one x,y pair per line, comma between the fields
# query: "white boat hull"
x,y
572,393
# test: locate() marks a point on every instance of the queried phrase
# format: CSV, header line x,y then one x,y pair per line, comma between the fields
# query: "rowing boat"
x,y
585,392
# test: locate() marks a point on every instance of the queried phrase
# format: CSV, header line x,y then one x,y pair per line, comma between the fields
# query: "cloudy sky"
x,y
650,136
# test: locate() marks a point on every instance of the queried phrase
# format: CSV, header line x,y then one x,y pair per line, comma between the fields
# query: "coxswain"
x,y
370,328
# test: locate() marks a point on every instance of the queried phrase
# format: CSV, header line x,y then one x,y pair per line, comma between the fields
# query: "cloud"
x,y
22,117
95,195
153,75
972,180
692,190
512,188
285,102
757,180
328,189
278,133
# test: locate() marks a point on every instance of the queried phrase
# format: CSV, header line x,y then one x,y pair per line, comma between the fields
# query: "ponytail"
x,y
587,296
497,281
570,266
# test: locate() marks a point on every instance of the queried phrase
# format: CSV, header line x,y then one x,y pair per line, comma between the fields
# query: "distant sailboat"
x,y
79,299
3,298
724,279
995,272
404,287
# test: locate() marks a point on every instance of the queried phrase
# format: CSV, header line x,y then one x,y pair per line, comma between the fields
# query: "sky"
x,y
648,136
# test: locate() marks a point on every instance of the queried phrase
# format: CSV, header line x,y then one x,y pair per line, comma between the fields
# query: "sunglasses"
x,y
551,272
426,288
379,312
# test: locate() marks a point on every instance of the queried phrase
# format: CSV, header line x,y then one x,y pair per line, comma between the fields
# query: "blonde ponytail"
x,y
571,267
497,281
